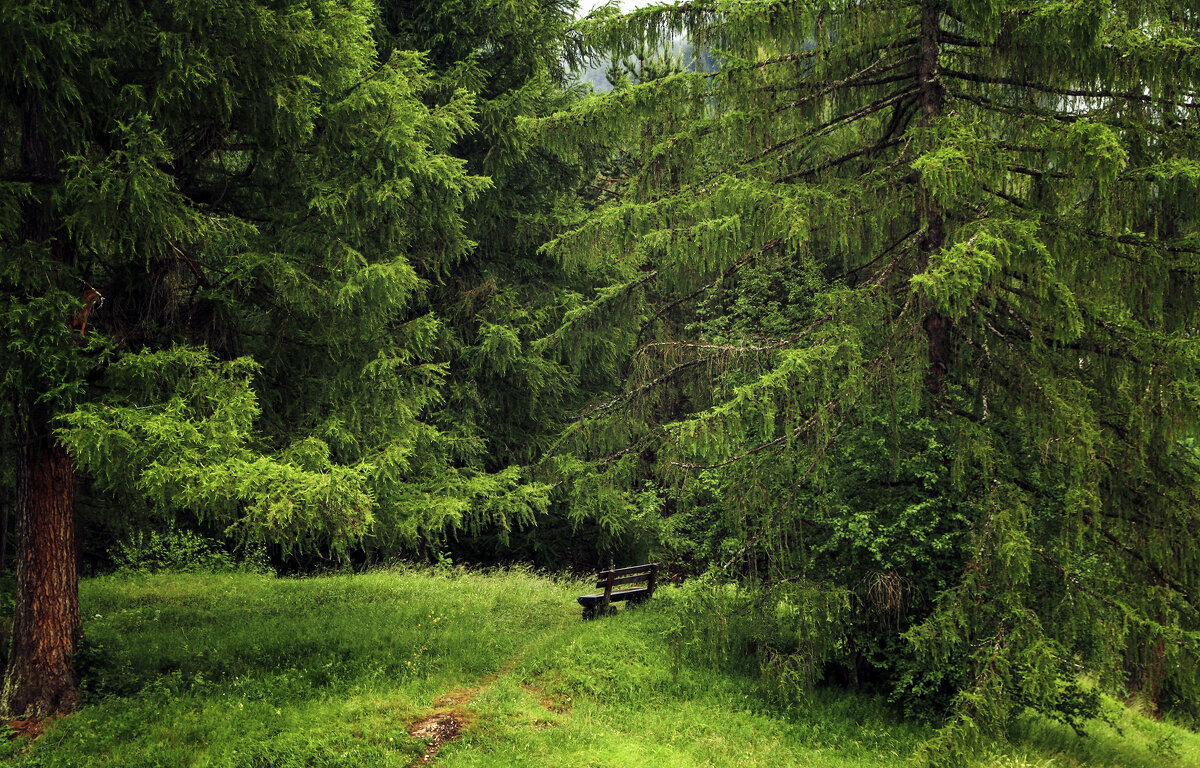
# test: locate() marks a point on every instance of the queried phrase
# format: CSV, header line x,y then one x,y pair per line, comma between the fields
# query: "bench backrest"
x,y
615,577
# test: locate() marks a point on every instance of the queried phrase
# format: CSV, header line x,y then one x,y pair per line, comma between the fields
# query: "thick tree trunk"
x,y
4,533
40,678
933,230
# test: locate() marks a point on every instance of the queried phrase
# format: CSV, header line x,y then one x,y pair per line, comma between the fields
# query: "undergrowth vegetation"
x,y
181,550
243,669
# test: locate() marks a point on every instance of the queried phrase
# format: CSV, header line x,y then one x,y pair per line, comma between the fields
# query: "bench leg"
x,y
597,610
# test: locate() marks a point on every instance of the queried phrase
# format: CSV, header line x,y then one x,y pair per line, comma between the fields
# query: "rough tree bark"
x,y
40,678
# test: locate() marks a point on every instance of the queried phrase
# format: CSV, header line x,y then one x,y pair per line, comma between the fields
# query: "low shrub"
x,y
182,551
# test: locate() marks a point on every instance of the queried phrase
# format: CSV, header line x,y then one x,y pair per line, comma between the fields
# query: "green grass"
x,y
246,670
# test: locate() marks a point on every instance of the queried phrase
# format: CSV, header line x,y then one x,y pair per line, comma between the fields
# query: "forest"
x,y
875,323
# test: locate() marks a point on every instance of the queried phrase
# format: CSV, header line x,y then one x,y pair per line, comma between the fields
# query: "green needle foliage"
x,y
508,396
217,222
257,197
903,296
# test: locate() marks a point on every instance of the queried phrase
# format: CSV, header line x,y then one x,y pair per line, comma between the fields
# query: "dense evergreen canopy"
x,y
215,219
909,300
885,311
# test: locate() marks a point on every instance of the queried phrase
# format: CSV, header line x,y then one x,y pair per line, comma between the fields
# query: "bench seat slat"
x,y
625,594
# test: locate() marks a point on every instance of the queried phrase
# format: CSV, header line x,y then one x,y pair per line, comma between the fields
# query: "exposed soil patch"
x,y
449,717
30,726
443,723
457,698
437,729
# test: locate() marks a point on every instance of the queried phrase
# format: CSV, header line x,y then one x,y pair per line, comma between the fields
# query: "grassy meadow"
x,y
249,671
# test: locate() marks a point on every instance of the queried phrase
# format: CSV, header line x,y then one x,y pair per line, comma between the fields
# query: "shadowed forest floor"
x,y
456,668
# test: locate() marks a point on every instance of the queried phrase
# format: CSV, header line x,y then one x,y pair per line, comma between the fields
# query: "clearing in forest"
x,y
452,668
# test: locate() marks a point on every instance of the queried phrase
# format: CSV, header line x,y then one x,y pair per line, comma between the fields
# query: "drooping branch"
x,y
1153,568
1023,111
904,239
1057,91
725,275
827,409
952,38
865,111
796,431
726,350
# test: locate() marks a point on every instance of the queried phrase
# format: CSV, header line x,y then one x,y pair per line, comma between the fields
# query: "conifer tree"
x,y
211,216
908,301
501,295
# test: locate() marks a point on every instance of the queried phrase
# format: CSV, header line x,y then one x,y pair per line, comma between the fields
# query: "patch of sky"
x,y
597,73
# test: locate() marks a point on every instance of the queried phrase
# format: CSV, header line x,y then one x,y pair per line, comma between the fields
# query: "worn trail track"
x,y
446,720
449,716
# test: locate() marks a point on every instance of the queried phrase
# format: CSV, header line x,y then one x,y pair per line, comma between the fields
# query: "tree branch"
x,y
1073,92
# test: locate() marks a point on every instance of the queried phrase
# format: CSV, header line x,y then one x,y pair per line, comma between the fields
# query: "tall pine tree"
x,y
907,300
210,216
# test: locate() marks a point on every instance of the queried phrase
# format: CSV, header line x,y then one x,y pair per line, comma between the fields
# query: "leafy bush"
x,y
787,633
181,551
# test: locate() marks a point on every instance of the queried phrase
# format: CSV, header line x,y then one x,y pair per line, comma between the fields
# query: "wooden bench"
x,y
600,603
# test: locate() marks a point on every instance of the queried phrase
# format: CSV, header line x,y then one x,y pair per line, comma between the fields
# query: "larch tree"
x,y
907,300
210,215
